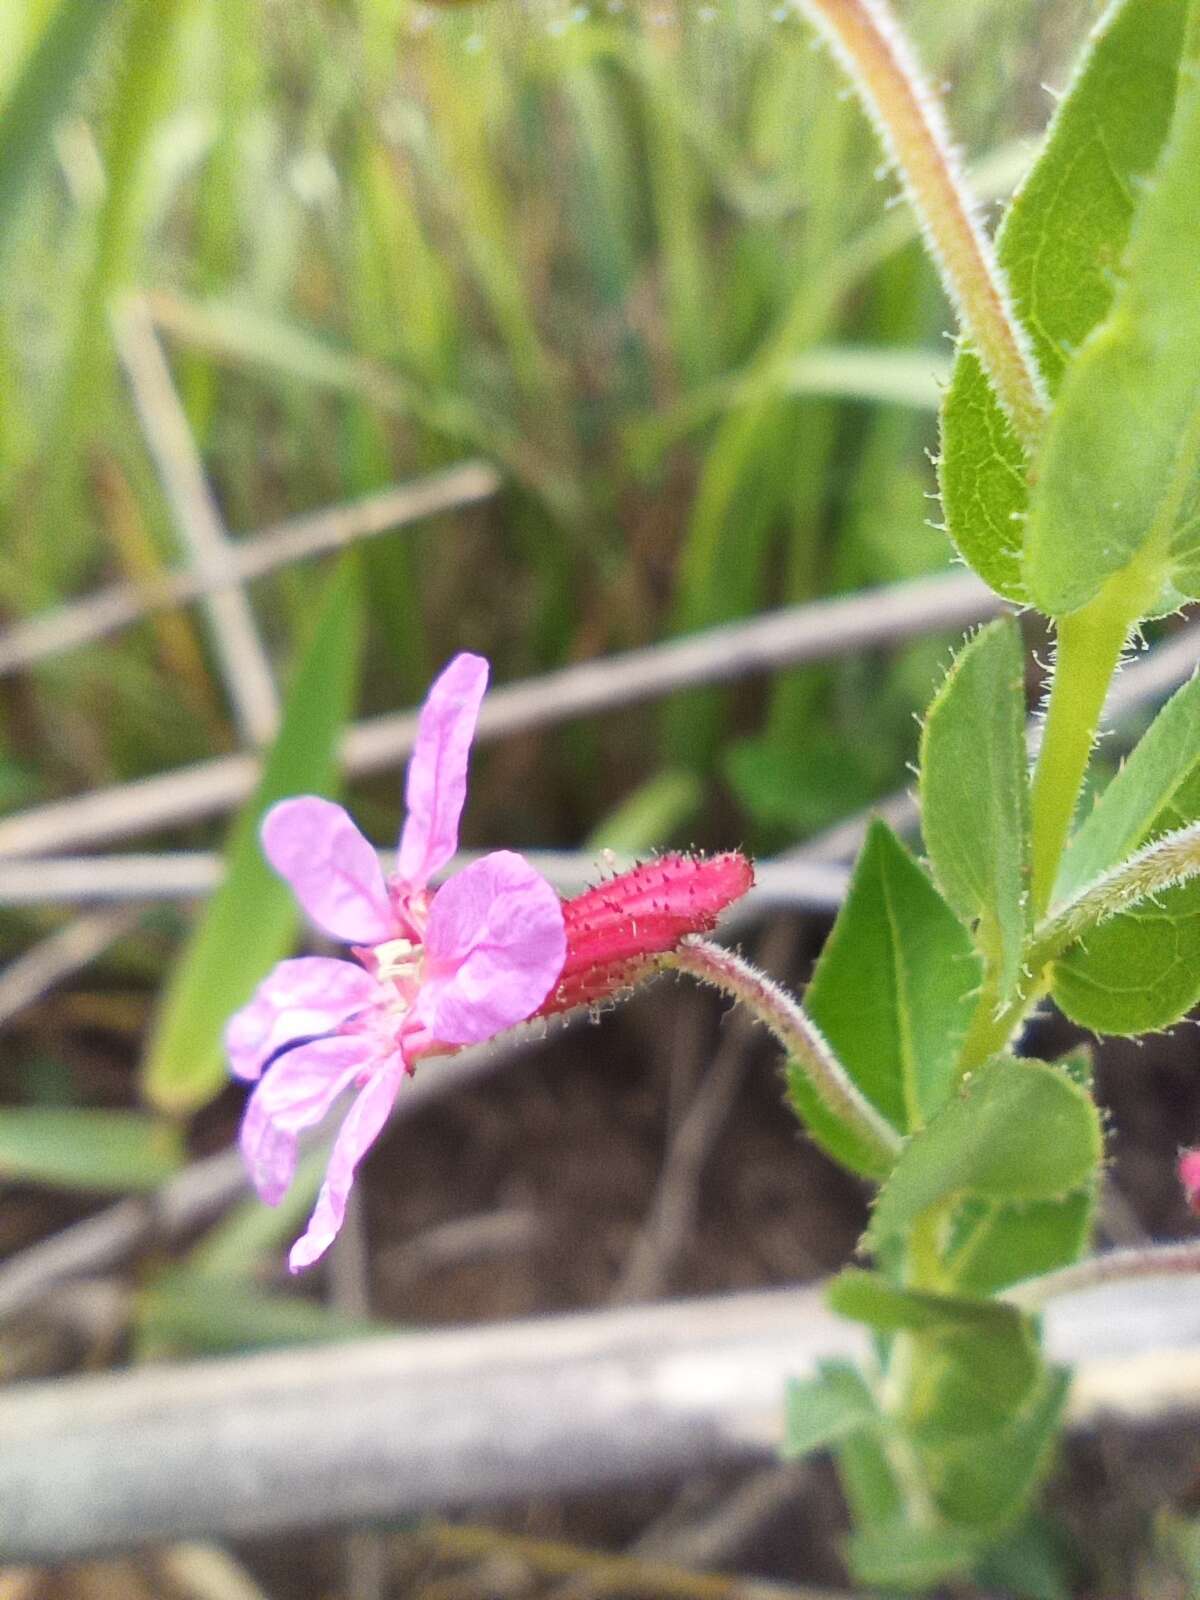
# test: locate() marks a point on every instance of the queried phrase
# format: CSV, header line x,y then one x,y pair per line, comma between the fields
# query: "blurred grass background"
x,y
586,242
636,255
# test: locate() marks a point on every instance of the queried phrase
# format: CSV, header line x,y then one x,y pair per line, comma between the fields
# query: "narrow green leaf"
x,y
1139,970
984,1483
1021,1130
40,96
251,920
975,793
106,1151
894,988
900,1555
1119,474
891,1308
651,815
827,1409
1156,790
1058,243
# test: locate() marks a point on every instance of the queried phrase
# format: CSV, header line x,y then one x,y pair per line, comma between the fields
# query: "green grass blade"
x,y
110,1152
38,97
251,920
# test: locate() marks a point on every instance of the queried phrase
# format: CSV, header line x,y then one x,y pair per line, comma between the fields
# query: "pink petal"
x,y
363,1124
494,948
334,872
296,1000
436,788
295,1094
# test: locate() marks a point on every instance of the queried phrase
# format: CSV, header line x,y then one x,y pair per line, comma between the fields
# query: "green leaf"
x,y
973,1362
1021,1130
999,1245
1156,790
834,1137
1119,473
1058,243
824,1410
107,1151
868,1479
975,793
892,1308
900,1555
251,920
1139,970
984,1483
894,988
40,96
1031,1560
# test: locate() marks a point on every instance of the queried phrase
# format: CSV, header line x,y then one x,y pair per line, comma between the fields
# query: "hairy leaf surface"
x,y
975,792
1059,243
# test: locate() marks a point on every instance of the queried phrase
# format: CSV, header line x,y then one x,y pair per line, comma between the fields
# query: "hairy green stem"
x,y
1172,859
907,117
799,1036
1090,642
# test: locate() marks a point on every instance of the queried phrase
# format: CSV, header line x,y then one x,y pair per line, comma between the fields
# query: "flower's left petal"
x,y
295,1094
297,1000
334,872
494,948
363,1124
436,788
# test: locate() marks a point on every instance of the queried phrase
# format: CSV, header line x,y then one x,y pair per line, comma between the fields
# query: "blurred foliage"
x,y
636,254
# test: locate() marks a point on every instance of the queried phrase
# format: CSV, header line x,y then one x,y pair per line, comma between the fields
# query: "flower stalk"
x,y
796,1032
908,119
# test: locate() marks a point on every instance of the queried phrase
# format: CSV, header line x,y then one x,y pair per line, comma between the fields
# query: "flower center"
x,y
398,961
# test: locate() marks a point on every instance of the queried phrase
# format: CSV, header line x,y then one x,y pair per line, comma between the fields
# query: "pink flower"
x,y
1189,1177
616,930
436,969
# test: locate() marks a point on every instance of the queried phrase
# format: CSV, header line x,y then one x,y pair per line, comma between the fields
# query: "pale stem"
x,y
1115,1266
874,52
796,1032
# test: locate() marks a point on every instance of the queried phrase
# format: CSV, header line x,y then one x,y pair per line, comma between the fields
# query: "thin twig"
x,y
394,1426
182,875
599,1574
246,669
824,630
24,981
299,538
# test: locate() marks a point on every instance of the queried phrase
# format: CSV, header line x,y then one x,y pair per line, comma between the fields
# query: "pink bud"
x,y
1189,1177
616,929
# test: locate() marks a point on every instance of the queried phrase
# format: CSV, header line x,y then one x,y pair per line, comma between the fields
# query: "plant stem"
x,y
1115,1266
1090,642
799,1036
906,114
1172,859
